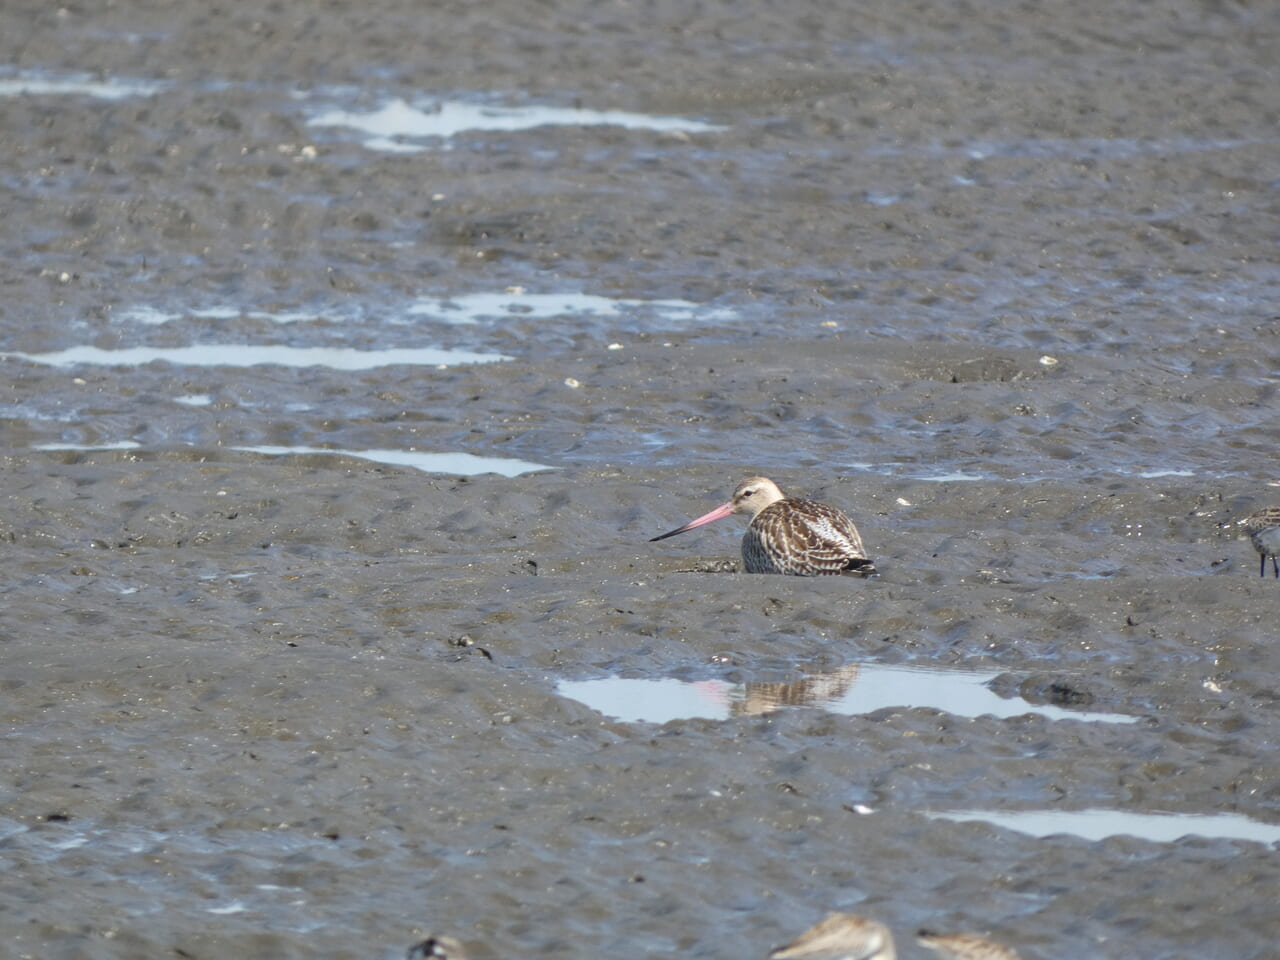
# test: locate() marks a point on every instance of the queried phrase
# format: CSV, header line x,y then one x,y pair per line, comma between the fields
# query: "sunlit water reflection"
x,y
457,464
399,126
460,310
39,84
854,689
1099,824
473,307
241,355
461,464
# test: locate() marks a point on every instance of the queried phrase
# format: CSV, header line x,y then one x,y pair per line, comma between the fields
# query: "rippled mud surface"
x,y
352,354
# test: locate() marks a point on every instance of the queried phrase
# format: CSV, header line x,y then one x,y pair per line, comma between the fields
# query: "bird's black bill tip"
x,y
669,533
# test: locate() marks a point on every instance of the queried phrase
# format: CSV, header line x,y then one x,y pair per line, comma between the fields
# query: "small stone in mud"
x,y
466,643
1060,693
1064,694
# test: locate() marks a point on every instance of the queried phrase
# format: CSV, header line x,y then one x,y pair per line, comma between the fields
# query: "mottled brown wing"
x,y
965,946
802,538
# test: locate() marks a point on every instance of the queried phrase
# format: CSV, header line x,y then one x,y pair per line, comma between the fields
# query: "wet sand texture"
x,y
1000,281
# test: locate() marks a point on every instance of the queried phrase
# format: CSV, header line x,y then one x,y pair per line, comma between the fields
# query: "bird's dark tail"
x,y
862,566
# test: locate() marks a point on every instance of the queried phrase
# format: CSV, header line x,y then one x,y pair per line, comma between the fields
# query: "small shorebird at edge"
x,y
789,535
841,936
1263,528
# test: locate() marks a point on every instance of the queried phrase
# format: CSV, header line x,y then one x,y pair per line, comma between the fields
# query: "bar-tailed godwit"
x,y
964,946
1263,528
789,535
841,936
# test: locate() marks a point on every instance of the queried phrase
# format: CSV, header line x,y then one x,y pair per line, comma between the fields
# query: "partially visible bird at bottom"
x,y
964,946
437,948
788,535
1263,528
841,936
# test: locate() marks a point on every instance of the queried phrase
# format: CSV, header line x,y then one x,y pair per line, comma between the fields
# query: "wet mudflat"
x,y
351,357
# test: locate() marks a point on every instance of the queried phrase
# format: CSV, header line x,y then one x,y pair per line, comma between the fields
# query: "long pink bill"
x,y
721,511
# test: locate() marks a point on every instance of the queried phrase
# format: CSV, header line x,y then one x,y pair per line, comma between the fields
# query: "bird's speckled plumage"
x,y
803,538
964,946
841,936
788,535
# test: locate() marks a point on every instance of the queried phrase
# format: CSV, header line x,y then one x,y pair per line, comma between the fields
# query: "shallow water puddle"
x,y
961,475
1099,824
395,125
81,85
954,476
233,907
464,310
233,355
1047,148
27,411
457,464
855,689
461,464
89,447
154,317
472,308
